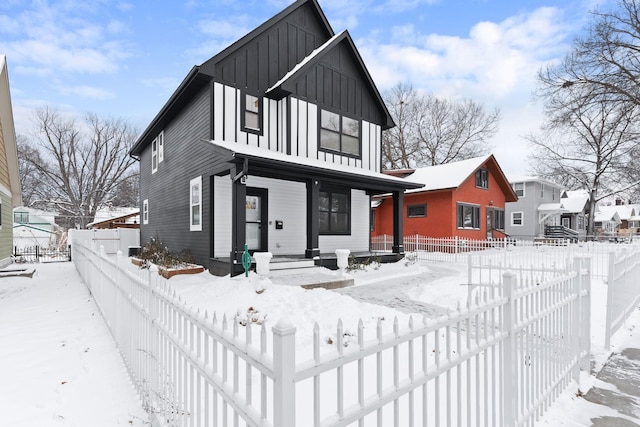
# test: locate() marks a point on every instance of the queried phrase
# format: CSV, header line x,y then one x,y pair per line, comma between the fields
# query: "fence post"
x,y
585,312
509,368
284,367
153,349
610,295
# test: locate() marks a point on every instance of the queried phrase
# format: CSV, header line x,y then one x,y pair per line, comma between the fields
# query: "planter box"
x,y
168,273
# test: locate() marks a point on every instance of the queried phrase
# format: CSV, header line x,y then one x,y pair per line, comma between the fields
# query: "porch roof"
x,y
273,163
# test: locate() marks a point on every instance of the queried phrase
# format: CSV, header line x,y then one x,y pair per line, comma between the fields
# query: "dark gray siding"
x,y
185,157
336,83
269,56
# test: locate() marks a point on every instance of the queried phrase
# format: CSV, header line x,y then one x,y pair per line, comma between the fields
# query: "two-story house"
x,y
527,217
461,199
275,143
10,193
544,209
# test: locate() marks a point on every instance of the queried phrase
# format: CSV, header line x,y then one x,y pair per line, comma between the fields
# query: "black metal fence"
x,y
31,254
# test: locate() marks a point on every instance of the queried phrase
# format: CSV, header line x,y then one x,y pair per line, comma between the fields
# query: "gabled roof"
x,y
575,201
285,86
209,65
452,175
8,136
202,74
625,212
607,215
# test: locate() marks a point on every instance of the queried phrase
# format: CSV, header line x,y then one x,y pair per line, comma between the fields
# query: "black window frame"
x,y
244,111
340,134
331,191
482,178
421,206
460,215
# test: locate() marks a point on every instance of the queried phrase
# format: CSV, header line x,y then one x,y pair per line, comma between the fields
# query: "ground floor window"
x,y
468,216
145,211
416,211
196,204
516,218
334,209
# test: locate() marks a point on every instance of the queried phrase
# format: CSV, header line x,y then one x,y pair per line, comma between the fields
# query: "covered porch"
x,y
314,177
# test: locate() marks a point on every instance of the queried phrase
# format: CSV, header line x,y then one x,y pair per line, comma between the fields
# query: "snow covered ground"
x,y
59,365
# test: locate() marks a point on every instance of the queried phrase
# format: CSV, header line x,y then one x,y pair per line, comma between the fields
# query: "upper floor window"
x,y
21,217
417,211
195,204
339,133
482,178
518,187
252,117
157,151
542,191
468,216
334,211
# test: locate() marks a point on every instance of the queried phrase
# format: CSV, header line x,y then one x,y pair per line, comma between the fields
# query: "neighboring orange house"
x,y
464,199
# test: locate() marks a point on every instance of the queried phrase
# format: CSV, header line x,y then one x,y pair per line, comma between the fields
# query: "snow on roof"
x,y
607,215
306,161
625,212
312,55
523,178
575,201
552,207
449,175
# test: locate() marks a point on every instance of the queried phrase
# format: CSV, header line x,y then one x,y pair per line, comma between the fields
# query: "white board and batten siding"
x,y
304,138
227,125
358,240
304,129
286,202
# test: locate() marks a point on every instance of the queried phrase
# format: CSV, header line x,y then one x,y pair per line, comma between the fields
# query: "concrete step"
x,y
289,264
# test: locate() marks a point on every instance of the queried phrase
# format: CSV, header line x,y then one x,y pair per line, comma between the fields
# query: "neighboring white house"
x,y
606,222
32,227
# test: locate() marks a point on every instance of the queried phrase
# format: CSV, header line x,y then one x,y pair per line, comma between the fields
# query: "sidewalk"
x,y
619,389
58,363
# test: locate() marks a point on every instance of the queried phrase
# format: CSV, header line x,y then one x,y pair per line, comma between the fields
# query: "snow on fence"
x,y
506,252
500,361
623,289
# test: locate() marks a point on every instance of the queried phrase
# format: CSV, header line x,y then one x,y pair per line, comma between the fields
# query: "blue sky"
x,y
124,59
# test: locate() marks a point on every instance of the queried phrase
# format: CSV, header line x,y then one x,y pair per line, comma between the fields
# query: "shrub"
x,y
155,252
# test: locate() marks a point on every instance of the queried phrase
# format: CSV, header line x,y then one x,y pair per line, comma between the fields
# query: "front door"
x,y
256,221
489,223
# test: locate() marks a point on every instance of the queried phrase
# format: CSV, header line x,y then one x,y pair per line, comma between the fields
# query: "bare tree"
x,y
586,143
399,145
601,74
432,131
605,60
80,166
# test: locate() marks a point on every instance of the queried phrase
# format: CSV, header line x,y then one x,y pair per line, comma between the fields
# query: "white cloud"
x,y
87,92
496,65
64,37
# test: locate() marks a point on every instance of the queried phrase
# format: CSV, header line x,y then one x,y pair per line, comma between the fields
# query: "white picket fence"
x,y
508,253
623,289
500,361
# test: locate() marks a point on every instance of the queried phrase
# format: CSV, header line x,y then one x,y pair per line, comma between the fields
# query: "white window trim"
x,y
160,138
145,211
521,219
195,181
524,186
